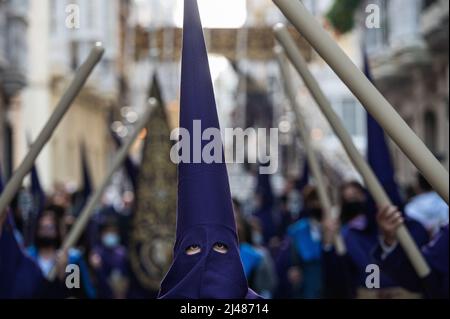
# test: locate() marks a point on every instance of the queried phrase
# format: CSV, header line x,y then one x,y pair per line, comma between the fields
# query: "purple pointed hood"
x,y
203,191
206,262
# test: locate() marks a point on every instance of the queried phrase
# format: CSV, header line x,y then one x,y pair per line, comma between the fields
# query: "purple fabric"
x,y
87,187
112,259
252,295
131,168
205,214
436,254
264,189
360,244
304,180
20,277
283,258
1,179
39,201
378,153
265,211
269,228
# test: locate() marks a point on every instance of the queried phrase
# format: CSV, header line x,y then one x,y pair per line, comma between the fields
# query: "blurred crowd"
x,y
286,244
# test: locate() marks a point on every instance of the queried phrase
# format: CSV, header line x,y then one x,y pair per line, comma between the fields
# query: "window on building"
x,y
90,15
377,39
53,17
431,130
311,5
349,115
384,6
428,3
74,56
352,115
405,27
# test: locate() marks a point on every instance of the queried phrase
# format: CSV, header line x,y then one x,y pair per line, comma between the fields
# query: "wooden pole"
x,y
372,100
370,179
313,162
89,209
61,109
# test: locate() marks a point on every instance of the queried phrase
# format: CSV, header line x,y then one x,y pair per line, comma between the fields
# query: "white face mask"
x,y
295,203
257,238
46,265
111,240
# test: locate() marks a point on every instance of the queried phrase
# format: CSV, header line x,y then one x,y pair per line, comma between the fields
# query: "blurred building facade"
x,y
13,53
247,80
142,37
61,34
241,62
333,157
409,59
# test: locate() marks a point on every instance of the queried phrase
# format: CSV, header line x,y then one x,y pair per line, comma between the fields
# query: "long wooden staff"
x,y
89,209
61,109
313,162
373,184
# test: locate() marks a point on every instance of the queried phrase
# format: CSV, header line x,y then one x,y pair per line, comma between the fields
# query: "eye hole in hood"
x,y
220,248
193,250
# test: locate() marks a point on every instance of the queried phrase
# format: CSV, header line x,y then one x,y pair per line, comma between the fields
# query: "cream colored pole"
x,y
357,159
60,110
89,209
368,95
305,136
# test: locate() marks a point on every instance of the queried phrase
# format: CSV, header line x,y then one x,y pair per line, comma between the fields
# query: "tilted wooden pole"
x,y
370,179
89,209
61,109
303,131
372,100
